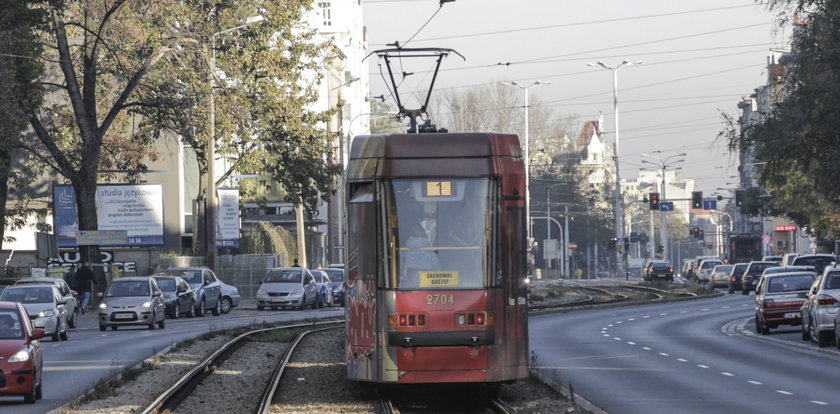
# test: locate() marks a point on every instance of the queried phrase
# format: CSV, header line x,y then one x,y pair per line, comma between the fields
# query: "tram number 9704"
x,y
440,299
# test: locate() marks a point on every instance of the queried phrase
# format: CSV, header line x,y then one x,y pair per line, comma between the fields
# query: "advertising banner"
x,y
227,224
136,209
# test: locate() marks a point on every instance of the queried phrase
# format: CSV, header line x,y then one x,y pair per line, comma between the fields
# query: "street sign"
x,y
666,206
572,245
709,204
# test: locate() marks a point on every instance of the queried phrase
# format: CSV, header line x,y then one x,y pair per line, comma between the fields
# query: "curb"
x,y
567,393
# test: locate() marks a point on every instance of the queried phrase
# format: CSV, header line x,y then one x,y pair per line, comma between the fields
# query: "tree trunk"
x,y
5,170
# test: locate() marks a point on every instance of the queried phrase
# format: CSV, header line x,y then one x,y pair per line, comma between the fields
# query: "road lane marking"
x,y
703,366
784,392
631,343
728,374
819,402
755,382
646,348
663,354
682,360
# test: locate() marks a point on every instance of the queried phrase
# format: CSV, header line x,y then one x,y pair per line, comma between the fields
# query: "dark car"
x,y
778,298
735,276
178,296
337,278
753,274
818,261
659,271
208,290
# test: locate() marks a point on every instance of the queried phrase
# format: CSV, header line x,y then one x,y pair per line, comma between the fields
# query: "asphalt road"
x,y
72,367
697,356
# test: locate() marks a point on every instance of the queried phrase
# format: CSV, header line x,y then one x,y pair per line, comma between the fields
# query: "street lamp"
x,y
210,212
527,154
618,212
663,165
548,223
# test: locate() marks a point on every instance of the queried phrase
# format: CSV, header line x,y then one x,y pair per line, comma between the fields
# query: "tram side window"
x,y
361,222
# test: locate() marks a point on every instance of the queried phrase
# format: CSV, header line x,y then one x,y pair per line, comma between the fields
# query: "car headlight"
x,y
261,293
147,304
46,313
296,292
20,356
103,306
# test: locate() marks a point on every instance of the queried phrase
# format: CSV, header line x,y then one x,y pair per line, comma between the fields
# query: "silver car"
x,y
230,297
287,287
45,307
64,290
820,308
132,301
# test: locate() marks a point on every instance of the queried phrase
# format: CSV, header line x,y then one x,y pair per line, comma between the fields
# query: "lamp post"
x,y
663,165
548,223
210,212
618,212
527,155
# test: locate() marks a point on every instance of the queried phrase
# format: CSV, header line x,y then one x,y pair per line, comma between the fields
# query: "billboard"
x,y
135,208
227,224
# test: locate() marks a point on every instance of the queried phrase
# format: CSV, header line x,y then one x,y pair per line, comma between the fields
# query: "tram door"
x,y
514,270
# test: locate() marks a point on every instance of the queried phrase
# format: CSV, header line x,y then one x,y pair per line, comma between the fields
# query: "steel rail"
x,y
167,401
274,382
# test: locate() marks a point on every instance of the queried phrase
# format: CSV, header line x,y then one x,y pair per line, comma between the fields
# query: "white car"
x,y
287,287
820,308
44,305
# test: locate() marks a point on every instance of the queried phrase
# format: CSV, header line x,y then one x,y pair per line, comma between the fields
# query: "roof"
x,y
589,130
8,305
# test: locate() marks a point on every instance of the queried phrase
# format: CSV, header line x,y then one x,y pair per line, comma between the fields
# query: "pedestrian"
x,y
84,279
296,264
70,278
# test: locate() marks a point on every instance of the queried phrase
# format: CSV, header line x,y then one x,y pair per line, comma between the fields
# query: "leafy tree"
x,y
20,69
799,140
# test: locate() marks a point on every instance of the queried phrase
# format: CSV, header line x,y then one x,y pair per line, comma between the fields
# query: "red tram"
x,y
436,260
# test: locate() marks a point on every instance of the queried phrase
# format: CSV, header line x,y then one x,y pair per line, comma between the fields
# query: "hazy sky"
x,y
700,58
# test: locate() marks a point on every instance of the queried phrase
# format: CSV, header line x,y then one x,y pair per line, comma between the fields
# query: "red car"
x,y
21,357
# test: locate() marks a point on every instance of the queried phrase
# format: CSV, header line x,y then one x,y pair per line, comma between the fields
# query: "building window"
x,y
326,13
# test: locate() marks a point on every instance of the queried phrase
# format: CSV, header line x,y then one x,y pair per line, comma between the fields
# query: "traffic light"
x,y
695,232
739,198
611,244
654,201
696,199
701,235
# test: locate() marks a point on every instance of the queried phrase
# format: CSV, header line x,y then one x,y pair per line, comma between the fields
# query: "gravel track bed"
x,y
236,385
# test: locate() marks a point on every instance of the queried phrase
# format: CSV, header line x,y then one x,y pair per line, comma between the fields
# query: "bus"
x,y
436,259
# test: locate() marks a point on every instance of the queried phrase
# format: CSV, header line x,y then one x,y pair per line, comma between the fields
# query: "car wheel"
x,y
73,319
29,397
837,337
227,305
152,322
760,327
745,292
191,310
200,310
177,313
217,310
102,328
731,291
823,338
63,335
55,336
260,307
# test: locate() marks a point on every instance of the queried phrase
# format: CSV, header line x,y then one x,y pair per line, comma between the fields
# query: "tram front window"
x,y
439,228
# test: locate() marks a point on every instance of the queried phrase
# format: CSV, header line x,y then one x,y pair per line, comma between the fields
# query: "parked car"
x,y
778,298
44,305
230,297
178,296
322,280
704,270
735,276
287,287
659,271
819,261
752,275
774,258
337,278
819,310
720,275
21,355
67,294
132,301
208,289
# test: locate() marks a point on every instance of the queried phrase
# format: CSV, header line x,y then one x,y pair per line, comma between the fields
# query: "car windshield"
x,y
757,268
191,276
10,327
34,294
661,266
790,283
284,276
723,269
709,264
124,288
166,284
336,275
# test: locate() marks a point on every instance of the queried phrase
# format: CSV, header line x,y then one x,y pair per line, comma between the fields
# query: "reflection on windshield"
x,y
284,276
28,295
167,285
440,227
191,276
129,288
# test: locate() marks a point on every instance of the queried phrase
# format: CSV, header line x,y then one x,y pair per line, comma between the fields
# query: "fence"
x,y
243,271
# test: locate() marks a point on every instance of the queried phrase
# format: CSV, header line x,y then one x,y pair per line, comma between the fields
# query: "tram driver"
x,y
415,256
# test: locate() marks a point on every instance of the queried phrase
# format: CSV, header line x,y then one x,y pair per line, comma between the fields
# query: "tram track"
x,y
172,397
417,406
